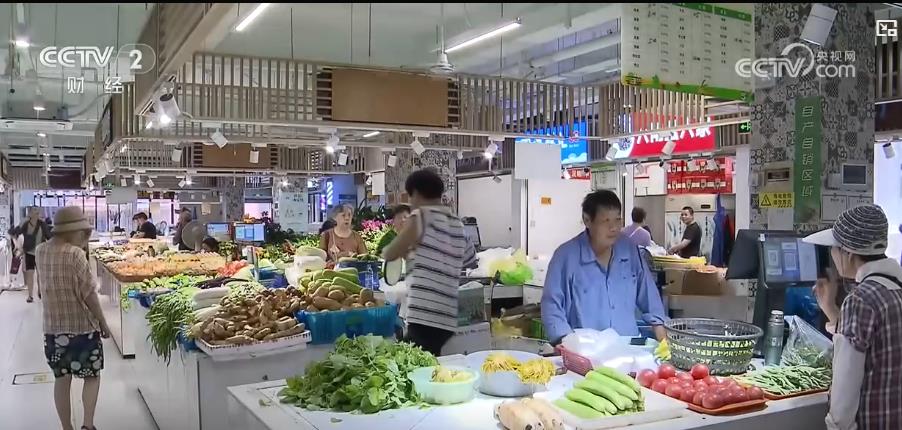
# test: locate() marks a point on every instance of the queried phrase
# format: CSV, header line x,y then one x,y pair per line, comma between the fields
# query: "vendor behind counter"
x,y
598,279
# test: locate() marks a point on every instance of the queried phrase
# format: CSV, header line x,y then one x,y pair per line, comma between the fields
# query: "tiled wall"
x,y
848,103
443,162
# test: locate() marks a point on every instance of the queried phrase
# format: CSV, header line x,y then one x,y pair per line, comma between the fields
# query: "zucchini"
x,y
598,403
620,377
605,391
577,409
350,287
616,385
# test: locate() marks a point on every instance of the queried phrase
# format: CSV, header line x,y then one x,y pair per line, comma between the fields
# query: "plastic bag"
x,y
608,348
518,276
806,346
487,260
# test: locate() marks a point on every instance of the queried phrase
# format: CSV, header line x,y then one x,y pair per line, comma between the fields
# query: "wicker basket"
x,y
725,346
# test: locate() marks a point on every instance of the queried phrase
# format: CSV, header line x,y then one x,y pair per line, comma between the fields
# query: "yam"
x,y
321,292
311,308
336,295
514,415
240,340
262,333
370,304
551,419
326,303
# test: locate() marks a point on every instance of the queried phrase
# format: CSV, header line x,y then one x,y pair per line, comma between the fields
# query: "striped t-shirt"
x,y
434,268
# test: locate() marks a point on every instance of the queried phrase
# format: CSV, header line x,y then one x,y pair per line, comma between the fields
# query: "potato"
x,y
356,306
336,295
366,295
326,303
240,340
321,292
262,333
370,304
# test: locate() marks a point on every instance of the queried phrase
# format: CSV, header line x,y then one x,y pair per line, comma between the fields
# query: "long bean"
x,y
783,380
168,314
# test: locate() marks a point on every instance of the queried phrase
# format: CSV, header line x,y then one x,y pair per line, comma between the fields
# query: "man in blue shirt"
x,y
598,279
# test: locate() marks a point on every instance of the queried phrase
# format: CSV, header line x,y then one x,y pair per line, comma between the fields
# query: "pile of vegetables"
x,y
366,374
168,314
604,392
532,414
231,268
785,380
159,285
697,387
242,320
537,371
334,290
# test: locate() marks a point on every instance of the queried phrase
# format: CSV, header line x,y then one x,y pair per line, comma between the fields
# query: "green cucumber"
x,y
577,409
598,403
620,377
605,391
616,385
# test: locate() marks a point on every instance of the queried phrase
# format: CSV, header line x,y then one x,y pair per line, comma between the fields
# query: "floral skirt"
x,y
79,355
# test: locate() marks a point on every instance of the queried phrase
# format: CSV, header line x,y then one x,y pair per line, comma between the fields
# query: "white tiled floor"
x,y
31,406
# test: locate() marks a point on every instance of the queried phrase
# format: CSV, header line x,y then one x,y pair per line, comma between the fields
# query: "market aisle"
x,y
31,406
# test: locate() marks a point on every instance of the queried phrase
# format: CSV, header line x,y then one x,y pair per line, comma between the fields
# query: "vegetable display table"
x,y
190,392
109,295
256,407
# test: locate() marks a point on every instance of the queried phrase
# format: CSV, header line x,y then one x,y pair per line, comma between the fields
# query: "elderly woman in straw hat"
x,y
73,321
867,382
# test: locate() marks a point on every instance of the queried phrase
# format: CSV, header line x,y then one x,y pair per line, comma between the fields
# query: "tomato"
x,y
729,397
675,391
741,396
684,376
700,371
666,371
712,401
729,382
697,398
673,380
659,385
688,395
685,384
711,380
646,377
700,385
755,393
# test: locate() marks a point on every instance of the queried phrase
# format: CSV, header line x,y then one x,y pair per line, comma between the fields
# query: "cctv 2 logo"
x,y
141,57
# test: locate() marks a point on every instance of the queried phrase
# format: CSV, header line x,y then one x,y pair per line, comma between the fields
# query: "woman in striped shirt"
x,y
434,246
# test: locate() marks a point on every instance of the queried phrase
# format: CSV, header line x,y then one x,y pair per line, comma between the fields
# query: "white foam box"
x,y
658,407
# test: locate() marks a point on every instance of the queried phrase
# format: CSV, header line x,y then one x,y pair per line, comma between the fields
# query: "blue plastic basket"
x,y
326,327
186,343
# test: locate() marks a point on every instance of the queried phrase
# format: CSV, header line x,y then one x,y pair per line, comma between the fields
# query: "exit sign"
x,y
745,127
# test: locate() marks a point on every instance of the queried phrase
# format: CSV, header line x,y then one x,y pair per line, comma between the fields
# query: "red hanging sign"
x,y
699,139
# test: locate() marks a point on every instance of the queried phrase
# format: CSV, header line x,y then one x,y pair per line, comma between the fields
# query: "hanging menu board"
x,y
688,47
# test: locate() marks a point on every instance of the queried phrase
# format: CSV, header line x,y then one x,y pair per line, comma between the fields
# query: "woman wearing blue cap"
x,y
867,380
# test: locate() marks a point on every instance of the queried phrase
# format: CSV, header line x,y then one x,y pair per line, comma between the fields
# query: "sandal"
x,y
29,300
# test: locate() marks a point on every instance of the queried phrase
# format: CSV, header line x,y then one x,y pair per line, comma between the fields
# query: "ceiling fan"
x,y
441,66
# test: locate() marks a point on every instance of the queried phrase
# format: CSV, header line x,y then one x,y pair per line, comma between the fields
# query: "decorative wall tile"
x,y
848,103
443,162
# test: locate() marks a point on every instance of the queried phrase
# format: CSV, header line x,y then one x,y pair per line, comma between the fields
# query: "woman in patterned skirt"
x,y
73,321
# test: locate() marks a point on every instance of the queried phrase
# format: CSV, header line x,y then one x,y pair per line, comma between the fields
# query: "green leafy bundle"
x,y
366,374
159,283
168,315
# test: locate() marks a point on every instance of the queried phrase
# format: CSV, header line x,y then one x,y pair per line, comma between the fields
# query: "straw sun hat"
x,y
70,218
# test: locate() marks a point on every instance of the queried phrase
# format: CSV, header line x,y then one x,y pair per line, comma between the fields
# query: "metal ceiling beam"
x,y
52,151
593,45
585,70
53,164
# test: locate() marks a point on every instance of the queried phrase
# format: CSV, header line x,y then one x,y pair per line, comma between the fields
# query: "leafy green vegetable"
x,y
159,283
168,315
366,374
783,380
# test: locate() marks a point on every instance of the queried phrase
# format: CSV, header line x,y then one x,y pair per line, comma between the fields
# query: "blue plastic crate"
x,y
186,343
326,327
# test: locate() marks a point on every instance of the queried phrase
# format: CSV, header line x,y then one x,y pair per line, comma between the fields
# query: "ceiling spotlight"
x,y
668,147
392,160
460,154
818,25
333,140
137,179
150,122
39,103
371,134
566,174
254,156
167,107
123,182
330,149
491,150
369,180
219,139
496,178
712,164
417,147
661,163
888,150
150,183
108,164
42,134
182,183
284,182
165,119
611,154
177,155
22,42
188,180
342,158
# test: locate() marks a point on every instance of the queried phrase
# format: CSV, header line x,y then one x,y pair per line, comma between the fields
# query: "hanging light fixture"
x,y
137,179
491,150
177,155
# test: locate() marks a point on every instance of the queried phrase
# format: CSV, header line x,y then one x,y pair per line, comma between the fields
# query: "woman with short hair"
x,y
73,320
342,240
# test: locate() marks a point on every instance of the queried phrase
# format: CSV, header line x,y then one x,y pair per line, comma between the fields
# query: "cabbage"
x,y
244,273
265,264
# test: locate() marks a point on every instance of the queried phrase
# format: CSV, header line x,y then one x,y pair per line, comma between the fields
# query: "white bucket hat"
x,y
70,218
861,230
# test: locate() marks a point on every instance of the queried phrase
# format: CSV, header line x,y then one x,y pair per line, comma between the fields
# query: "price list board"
x,y
688,47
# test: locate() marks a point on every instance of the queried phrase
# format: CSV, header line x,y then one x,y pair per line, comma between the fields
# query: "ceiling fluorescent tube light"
x,y
252,16
498,31
371,134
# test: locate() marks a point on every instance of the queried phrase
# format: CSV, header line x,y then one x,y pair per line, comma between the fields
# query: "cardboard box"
x,y
693,282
